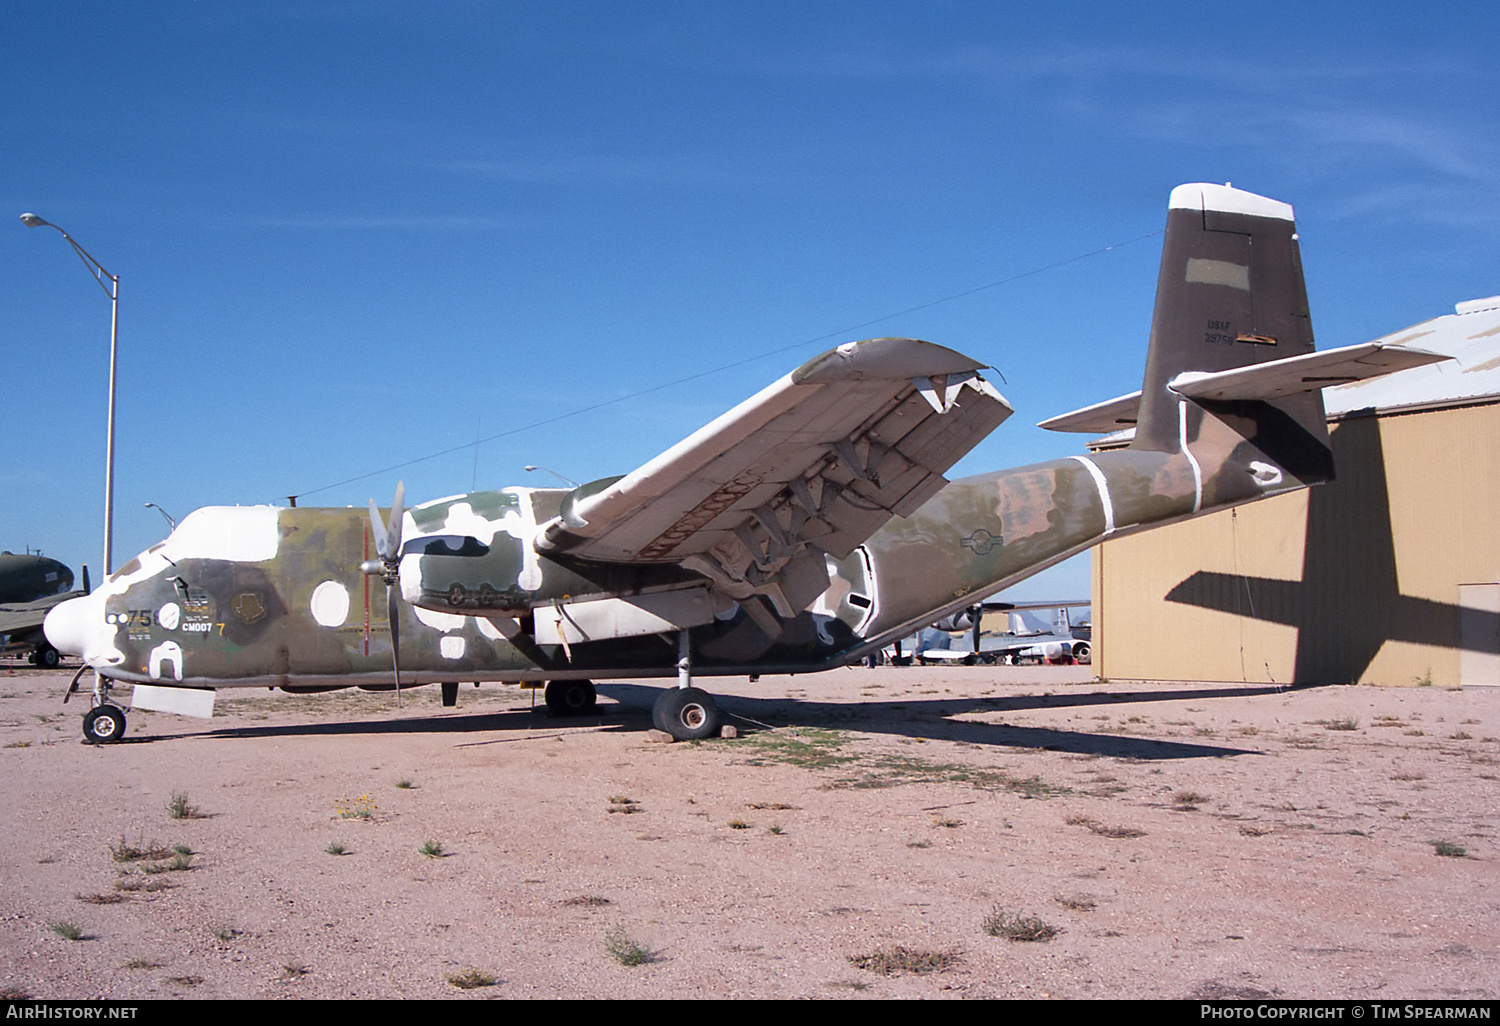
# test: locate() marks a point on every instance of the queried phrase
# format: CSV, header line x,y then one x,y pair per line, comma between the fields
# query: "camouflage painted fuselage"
x,y
213,606
291,609
983,534
497,585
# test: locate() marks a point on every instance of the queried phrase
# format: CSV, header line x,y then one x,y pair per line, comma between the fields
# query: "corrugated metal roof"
x,y
1471,335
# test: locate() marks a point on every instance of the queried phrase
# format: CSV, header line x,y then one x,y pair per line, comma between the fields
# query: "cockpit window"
x,y
238,534
445,545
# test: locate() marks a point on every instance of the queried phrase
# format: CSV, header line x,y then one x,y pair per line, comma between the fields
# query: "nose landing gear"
x,y
104,724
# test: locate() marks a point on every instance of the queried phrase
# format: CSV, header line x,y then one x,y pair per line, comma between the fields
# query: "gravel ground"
x,y
872,833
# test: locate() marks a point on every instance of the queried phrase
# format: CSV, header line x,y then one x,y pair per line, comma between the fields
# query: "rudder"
x,y
1230,294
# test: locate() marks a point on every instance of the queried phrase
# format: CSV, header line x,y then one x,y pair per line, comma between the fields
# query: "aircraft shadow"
x,y
469,723
933,719
1348,601
925,718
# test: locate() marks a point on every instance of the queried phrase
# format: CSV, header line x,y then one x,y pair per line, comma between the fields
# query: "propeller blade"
x,y
377,531
388,537
388,545
390,612
398,516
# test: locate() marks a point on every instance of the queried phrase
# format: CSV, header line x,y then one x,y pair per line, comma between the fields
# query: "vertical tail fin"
x,y
1230,294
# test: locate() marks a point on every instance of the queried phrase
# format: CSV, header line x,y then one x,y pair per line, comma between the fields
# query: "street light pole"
x,y
565,480
112,290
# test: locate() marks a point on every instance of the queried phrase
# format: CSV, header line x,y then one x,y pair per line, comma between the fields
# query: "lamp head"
x,y
32,221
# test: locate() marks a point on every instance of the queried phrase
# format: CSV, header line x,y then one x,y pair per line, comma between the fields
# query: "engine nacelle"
x,y
963,620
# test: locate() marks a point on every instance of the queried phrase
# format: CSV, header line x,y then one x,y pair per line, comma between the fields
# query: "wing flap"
x,y
814,464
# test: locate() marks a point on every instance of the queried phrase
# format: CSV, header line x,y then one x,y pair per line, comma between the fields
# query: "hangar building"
x,y
1388,575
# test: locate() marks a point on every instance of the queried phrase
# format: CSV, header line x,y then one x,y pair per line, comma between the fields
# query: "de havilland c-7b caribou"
x,y
802,530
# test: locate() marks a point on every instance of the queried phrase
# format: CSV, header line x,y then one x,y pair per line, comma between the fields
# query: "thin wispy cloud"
x,y
432,222
592,169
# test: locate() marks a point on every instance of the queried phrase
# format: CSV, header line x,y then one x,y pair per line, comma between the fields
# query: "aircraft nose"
x,y
71,625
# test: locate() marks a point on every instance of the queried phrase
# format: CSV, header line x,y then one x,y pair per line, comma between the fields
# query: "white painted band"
x,y
1182,444
1104,499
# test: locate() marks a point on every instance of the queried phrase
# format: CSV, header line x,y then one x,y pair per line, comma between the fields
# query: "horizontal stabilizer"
x,y
1101,418
1306,373
1266,381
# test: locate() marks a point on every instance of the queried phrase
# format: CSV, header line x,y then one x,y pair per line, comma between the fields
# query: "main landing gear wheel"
x,y
103,725
571,697
687,714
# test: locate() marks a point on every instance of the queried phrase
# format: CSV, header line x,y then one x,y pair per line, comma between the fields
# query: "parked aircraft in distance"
x,y
1021,641
805,528
30,586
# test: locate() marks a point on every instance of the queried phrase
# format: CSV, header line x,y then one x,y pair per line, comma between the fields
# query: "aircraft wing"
x,y
1002,606
814,464
16,617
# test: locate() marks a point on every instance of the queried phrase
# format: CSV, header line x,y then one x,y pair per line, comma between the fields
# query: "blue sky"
x,y
354,235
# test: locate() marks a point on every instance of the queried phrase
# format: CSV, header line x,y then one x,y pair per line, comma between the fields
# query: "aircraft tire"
x,y
688,714
103,725
571,697
47,657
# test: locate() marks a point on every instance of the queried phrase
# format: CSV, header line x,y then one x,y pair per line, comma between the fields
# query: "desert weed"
x,y
624,949
901,959
100,899
363,807
180,808
141,851
1014,926
622,804
587,901
471,979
